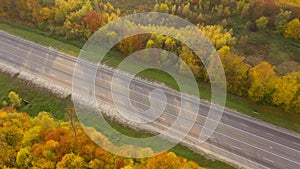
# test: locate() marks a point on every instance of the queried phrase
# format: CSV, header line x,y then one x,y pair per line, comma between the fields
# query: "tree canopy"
x,y
43,142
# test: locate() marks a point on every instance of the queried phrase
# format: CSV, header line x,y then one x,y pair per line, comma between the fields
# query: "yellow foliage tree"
x,y
166,160
191,165
218,35
286,88
262,22
292,30
31,136
24,158
191,61
71,161
261,87
45,120
236,71
14,99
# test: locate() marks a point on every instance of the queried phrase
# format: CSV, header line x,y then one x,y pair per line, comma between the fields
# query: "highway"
x,y
244,140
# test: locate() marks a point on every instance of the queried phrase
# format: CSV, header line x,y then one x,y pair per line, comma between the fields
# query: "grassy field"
x,y
273,115
283,53
42,100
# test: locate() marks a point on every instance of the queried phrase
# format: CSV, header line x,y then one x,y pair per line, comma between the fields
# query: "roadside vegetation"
x,y
257,42
34,98
43,142
25,144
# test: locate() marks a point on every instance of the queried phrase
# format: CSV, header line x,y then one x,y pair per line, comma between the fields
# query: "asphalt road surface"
x,y
239,138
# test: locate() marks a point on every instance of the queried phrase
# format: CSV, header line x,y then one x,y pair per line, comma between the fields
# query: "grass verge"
x,y
43,38
270,114
43,100
38,99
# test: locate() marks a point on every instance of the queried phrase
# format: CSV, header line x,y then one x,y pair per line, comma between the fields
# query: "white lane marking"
x,y
66,80
139,87
101,94
296,143
266,159
163,118
236,147
270,134
184,126
245,125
